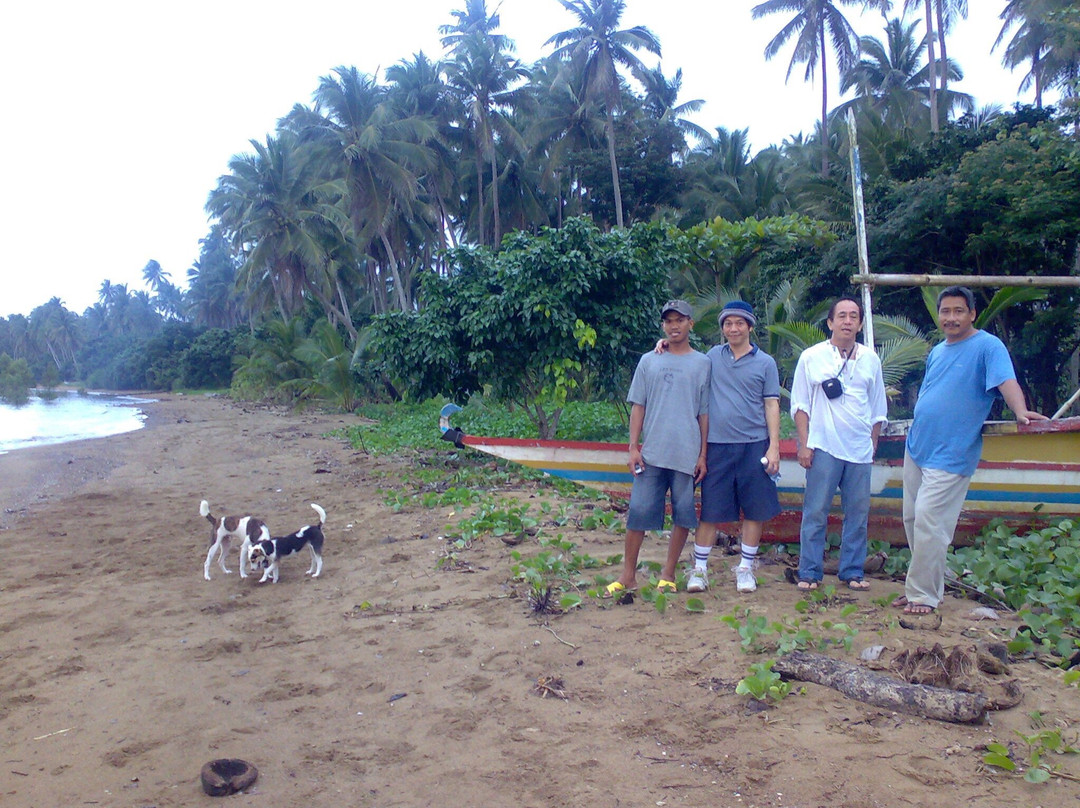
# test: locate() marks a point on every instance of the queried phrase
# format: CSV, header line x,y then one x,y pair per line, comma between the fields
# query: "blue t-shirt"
x,y
957,392
737,394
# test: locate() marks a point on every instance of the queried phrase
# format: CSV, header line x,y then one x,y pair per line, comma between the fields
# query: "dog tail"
x,y
321,512
204,510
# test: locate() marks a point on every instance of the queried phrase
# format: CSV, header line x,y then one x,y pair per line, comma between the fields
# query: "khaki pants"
x,y
932,503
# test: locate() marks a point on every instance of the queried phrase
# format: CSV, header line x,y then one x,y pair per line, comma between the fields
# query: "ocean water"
x,y
68,417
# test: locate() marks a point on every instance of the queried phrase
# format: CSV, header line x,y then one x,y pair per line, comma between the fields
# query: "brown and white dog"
x,y
245,529
267,554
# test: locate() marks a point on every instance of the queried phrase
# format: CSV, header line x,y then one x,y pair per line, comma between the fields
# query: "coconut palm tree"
x,y
473,21
662,101
382,154
1045,37
564,125
814,21
278,207
490,84
597,46
892,81
417,88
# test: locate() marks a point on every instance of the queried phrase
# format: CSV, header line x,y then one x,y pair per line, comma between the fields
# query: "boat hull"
x,y
1026,475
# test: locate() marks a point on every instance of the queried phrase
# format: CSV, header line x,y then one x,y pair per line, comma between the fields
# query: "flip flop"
x,y
927,617
858,584
613,589
900,602
666,586
807,586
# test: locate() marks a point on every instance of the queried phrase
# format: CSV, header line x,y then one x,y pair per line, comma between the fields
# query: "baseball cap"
x,y
681,306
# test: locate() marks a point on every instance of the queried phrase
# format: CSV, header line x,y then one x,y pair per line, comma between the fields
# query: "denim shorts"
x,y
737,485
649,494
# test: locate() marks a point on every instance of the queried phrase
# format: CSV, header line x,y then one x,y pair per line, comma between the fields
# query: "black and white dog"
x,y
245,529
267,554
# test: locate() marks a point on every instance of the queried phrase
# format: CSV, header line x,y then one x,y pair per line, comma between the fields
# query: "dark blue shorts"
x,y
649,495
737,485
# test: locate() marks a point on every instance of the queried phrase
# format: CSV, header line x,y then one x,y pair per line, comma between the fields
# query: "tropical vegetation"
x,y
471,223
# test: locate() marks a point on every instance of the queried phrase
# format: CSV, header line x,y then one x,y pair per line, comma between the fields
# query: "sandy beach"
x,y
390,681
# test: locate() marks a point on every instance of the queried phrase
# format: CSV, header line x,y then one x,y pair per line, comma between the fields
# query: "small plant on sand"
x,y
763,683
498,518
759,636
558,565
1039,746
1036,573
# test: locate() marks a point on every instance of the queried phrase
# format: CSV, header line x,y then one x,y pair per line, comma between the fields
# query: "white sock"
x,y
748,555
701,557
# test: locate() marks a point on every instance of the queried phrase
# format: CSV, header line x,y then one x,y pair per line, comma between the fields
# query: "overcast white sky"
x,y
120,115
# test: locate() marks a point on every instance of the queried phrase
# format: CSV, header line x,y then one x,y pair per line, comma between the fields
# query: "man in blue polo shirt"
x,y
744,428
964,375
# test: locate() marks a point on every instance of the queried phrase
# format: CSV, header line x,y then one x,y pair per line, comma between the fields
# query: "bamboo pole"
x,y
860,228
966,280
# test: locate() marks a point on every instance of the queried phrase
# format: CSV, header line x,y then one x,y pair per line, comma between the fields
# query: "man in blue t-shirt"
x,y
964,374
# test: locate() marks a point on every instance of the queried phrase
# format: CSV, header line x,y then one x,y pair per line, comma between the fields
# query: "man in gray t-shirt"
x,y
669,399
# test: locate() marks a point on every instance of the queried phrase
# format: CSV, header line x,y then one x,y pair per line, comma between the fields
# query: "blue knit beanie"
x,y
739,309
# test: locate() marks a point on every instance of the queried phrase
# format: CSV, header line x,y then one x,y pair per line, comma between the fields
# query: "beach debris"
x,y
50,734
961,668
551,686
984,613
855,682
397,696
226,776
542,601
871,653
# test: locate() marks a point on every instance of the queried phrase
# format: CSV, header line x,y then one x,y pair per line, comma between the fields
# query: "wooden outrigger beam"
x,y
873,279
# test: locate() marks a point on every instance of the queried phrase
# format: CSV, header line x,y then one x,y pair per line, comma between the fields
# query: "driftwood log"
x,y
880,690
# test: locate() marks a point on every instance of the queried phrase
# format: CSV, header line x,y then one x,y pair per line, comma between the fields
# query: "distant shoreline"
x,y
77,417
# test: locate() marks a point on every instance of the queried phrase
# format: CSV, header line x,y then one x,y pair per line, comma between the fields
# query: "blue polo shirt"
x,y
737,394
958,389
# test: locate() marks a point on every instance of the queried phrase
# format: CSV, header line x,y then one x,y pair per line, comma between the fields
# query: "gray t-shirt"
x,y
737,395
674,390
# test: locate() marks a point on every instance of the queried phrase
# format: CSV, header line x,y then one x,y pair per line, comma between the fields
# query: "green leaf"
x,y
695,605
1037,775
1000,761
570,600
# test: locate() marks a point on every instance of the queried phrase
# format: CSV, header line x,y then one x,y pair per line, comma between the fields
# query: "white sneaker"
x,y
698,580
744,579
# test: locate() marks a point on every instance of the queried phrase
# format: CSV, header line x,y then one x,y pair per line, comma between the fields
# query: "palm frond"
x,y
1005,297
893,326
899,356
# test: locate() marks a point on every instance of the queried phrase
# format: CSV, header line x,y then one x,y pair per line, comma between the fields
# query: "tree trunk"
x,y
824,106
609,130
934,126
480,194
855,682
496,228
943,67
392,262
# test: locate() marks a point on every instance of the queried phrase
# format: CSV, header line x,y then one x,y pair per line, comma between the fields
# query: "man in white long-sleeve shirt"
x,y
838,405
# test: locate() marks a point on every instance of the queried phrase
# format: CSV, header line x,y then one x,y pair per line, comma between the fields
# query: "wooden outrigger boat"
x,y
1026,475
